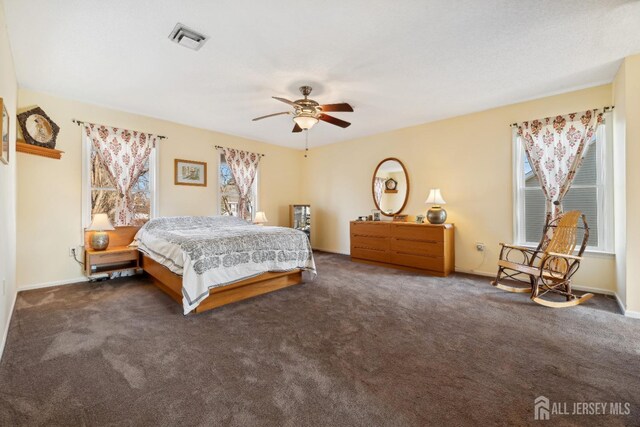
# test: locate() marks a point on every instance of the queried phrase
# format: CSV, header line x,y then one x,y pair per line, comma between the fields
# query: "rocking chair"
x,y
547,270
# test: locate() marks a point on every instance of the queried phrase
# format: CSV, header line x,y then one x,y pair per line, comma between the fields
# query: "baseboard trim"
x,y
632,314
53,283
5,334
628,313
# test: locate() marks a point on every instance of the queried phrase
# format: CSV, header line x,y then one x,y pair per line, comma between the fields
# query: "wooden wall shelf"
x,y
23,147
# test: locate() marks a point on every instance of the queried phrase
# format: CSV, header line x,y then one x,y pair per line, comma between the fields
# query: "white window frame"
x,y
254,188
604,185
86,182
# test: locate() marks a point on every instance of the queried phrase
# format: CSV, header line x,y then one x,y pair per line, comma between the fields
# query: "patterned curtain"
x,y
123,154
555,148
244,166
378,186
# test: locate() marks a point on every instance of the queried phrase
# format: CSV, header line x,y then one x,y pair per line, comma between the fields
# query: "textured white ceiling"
x,y
399,63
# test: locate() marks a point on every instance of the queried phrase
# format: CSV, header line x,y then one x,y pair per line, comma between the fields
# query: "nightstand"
x,y
114,258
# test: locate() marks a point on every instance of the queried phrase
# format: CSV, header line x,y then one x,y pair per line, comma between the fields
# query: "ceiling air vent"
x,y
187,37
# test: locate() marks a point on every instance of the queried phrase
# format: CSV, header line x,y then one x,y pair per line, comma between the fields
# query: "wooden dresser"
x,y
424,248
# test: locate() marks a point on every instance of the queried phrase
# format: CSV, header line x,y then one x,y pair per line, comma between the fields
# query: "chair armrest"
x,y
567,256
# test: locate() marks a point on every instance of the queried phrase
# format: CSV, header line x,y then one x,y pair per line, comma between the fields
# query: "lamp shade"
x,y
261,218
305,122
435,198
100,223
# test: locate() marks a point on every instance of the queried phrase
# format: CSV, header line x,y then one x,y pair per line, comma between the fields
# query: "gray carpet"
x,y
362,345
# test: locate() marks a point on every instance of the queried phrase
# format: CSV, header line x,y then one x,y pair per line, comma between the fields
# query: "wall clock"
x,y
37,128
391,184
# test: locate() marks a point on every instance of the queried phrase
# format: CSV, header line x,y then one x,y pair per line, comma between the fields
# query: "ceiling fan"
x,y
308,112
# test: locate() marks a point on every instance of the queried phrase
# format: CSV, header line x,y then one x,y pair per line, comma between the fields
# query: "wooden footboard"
x,y
171,284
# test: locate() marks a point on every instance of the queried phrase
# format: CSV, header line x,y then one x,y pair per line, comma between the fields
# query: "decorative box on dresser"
x,y
427,248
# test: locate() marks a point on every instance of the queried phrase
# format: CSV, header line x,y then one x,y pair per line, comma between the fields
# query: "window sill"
x,y
587,252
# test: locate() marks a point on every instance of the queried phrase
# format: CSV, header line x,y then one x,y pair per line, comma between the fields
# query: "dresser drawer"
x,y
370,242
370,254
417,247
426,262
418,232
113,257
370,229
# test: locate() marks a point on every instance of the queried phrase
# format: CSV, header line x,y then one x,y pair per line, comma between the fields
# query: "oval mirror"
x,y
390,186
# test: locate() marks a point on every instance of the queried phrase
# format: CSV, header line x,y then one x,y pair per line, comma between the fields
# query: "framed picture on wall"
x,y
4,130
189,172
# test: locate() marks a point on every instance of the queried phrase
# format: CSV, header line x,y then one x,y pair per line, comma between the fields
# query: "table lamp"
x,y
436,215
100,225
260,219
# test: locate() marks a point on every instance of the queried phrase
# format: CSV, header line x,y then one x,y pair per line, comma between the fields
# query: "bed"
x,y
207,262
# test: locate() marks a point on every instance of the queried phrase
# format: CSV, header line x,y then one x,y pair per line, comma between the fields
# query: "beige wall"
x,y
49,191
469,158
627,99
8,93
620,192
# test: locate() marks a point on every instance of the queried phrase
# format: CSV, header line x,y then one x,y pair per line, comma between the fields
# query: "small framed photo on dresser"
x,y
419,219
400,218
376,214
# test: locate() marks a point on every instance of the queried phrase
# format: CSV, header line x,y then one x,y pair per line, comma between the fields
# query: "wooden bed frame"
x,y
171,283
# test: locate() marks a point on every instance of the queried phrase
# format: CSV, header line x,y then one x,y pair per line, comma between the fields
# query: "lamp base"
x,y
99,240
436,215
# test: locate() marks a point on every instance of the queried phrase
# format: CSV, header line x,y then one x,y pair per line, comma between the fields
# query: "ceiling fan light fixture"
x,y
305,122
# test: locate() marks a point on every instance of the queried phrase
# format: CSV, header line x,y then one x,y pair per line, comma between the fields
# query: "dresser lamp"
x,y
436,215
261,218
100,225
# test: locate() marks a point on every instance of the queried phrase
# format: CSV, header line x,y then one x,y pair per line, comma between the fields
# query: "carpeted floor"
x,y
362,345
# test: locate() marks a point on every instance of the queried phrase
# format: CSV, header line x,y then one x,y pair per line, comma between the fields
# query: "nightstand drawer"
x,y
113,257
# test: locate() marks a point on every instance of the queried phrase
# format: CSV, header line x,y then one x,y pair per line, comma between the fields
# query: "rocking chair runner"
x,y
548,268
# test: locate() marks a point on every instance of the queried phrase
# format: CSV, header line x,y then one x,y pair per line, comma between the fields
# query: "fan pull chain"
x,y
306,142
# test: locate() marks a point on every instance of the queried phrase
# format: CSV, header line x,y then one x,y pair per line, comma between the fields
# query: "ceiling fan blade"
x,y
271,115
286,101
296,128
337,107
334,121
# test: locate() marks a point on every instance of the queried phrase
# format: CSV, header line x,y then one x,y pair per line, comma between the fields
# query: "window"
x,y
101,193
591,193
228,194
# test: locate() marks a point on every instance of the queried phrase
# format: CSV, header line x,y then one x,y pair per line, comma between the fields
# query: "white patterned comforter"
x,y
209,252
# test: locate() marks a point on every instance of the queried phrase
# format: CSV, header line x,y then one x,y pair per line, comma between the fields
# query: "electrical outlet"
x,y
72,251
479,246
